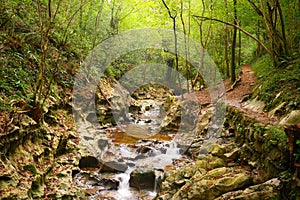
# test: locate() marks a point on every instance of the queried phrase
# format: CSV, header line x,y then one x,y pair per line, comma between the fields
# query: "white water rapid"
x,y
124,192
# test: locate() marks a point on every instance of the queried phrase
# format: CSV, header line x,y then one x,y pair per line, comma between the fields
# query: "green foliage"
x,y
16,77
78,26
278,85
275,135
262,66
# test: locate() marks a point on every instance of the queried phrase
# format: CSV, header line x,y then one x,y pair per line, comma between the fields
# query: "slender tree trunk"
x,y
233,64
173,17
189,34
258,51
240,48
185,44
204,43
46,21
226,43
80,15
285,43
97,22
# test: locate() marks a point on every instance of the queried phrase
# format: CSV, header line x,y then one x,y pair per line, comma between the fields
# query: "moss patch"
x,y
277,85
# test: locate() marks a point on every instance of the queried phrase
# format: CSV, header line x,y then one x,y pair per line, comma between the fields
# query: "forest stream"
x,y
145,157
149,100
137,155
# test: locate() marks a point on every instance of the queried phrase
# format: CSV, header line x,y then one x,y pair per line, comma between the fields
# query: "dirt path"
x,y
235,96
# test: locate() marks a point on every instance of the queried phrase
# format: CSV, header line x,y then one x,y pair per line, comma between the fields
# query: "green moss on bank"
x,y
277,85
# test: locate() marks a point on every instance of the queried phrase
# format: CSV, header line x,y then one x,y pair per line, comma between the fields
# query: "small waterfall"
x,y
173,150
158,174
124,192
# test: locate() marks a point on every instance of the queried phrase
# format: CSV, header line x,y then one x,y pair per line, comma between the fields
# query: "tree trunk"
x,y
240,48
185,46
176,45
226,43
258,51
233,64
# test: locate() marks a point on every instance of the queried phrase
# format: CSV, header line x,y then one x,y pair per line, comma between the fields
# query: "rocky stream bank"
x,y
144,156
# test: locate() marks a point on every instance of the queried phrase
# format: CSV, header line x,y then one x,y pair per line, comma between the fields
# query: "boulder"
x,y
95,180
210,162
218,150
134,108
267,191
89,162
255,105
142,179
102,143
292,118
213,184
113,167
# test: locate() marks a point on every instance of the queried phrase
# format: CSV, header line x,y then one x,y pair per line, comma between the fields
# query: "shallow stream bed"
x,y
135,153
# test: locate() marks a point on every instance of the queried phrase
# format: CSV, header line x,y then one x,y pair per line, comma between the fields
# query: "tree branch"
x,y
169,11
257,10
242,30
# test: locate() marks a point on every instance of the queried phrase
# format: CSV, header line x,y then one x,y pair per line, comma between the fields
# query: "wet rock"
x,y
183,148
147,108
91,117
267,191
143,149
102,143
95,180
138,157
134,108
87,138
74,172
131,164
142,179
113,167
147,121
89,162
110,184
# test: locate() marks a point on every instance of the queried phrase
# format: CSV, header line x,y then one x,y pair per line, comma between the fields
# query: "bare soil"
x,y
235,95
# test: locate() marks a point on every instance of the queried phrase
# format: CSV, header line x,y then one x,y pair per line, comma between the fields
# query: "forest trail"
x,y
235,95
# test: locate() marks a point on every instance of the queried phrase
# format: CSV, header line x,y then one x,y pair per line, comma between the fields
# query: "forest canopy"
x,y
52,34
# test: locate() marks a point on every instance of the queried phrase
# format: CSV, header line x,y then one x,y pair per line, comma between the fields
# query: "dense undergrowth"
x,y
19,61
277,85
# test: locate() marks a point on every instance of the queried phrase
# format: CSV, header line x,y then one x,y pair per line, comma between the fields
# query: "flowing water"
x,y
137,144
124,192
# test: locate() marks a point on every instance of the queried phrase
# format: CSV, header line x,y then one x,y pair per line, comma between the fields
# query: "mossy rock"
x,y
213,184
